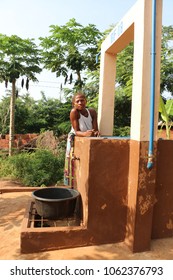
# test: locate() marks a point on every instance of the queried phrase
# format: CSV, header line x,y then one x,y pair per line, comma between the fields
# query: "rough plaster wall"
x,y
163,209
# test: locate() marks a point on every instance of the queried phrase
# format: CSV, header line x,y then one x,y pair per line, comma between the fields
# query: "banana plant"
x,y
166,111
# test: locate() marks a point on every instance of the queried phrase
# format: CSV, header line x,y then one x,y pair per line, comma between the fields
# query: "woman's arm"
x,y
94,121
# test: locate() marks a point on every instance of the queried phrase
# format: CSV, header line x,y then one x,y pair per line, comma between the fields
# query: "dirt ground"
x,y
13,201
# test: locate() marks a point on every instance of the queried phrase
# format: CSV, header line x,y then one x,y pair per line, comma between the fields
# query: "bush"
x,y
6,168
35,169
121,131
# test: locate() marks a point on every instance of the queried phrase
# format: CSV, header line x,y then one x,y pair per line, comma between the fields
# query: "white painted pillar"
x,y
140,114
106,93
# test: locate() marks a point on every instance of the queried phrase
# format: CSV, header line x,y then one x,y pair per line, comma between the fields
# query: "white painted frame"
x,y
135,25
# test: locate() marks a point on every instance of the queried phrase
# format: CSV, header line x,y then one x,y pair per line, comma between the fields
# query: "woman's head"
x,y
79,101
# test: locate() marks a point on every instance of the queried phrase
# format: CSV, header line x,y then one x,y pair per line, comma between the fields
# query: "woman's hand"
x,y
91,133
96,133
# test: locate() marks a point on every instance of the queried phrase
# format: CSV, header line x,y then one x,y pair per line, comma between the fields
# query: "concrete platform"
x,y
13,201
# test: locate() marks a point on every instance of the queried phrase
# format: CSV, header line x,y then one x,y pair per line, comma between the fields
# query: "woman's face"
x,y
80,102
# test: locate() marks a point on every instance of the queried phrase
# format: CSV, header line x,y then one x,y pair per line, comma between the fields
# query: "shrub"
x,y
122,131
35,169
6,168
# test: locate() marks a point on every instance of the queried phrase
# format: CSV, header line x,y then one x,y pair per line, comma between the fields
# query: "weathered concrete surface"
x,y
102,180
12,209
163,208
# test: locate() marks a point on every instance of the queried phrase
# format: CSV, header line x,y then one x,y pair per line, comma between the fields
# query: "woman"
x,y
83,120
84,124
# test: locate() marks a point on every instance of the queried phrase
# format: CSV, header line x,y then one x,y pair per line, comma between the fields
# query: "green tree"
x,y
4,115
18,57
33,116
124,67
124,79
125,63
167,59
24,114
52,114
71,49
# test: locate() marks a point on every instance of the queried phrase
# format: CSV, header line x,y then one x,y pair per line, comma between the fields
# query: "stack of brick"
x,y
19,140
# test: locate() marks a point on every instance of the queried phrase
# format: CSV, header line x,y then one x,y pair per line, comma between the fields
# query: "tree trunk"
x,y
79,80
12,114
78,76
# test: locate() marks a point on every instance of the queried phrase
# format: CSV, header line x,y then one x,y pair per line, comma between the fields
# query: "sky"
x,y
32,19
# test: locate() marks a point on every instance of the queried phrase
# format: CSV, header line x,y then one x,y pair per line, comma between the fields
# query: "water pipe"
x,y
152,86
97,57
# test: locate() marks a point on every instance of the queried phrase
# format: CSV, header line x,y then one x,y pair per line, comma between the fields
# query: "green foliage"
x,y
166,112
18,57
122,131
122,110
169,107
124,66
63,128
24,118
71,49
6,168
34,169
4,115
124,63
90,89
51,114
167,59
36,116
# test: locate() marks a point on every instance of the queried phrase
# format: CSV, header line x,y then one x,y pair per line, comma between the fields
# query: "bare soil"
x,y
13,201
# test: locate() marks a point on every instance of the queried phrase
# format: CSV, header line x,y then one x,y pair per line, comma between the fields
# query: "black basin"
x,y
55,203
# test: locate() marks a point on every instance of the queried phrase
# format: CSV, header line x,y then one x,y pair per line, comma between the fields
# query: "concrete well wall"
x,y
162,225
124,200
102,180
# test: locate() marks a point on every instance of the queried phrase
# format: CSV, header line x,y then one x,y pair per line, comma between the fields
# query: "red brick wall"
x,y
20,139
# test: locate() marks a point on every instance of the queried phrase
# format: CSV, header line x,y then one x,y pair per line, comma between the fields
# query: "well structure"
x,y
121,198
138,193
